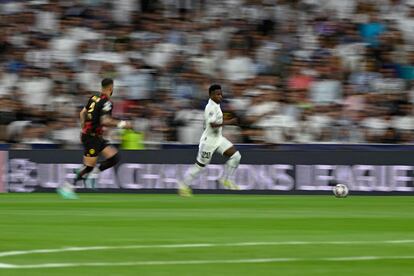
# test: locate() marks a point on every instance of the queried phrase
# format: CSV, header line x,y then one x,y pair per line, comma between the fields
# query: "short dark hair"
x,y
213,88
107,82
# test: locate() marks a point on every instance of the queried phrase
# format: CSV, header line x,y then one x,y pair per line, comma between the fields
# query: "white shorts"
x,y
206,150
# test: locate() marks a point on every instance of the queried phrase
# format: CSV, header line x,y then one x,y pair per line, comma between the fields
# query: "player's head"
x,y
215,93
107,87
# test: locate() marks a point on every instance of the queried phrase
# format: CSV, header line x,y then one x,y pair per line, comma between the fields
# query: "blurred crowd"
x,y
292,71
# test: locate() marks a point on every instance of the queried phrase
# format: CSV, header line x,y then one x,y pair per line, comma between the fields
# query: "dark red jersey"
x,y
97,106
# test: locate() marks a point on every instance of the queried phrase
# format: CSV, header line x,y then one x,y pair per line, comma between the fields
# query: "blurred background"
x,y
292,71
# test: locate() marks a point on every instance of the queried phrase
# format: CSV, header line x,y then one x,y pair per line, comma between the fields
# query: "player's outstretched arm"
x,y
82,116
108,121
231,121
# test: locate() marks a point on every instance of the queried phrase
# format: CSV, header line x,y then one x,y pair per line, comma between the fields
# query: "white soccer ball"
x,y
340,190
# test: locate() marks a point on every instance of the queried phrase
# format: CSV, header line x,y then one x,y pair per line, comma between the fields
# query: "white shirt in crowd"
x,y
36,91
192,128
46,21
238,68
325,91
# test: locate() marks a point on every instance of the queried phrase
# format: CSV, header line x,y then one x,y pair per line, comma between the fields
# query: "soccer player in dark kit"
x,y
96,115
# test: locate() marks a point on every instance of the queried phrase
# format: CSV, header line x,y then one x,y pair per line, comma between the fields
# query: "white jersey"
x,y
212,139
212,114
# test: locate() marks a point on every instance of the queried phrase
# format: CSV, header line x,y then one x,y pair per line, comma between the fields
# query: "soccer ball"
x,y
340,190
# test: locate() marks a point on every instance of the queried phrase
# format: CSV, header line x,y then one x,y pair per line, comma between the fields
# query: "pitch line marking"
x,y
195,245
200,262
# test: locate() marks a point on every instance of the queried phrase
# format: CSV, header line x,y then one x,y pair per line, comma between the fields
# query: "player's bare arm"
x,y
108,121
231,121
82,117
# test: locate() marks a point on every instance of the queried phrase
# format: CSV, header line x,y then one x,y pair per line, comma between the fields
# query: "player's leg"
x,y
92,147
67,189
111,156
227,149
89,162
184,186
205,153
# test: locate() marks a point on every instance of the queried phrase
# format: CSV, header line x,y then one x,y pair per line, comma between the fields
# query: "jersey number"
x,y
91,107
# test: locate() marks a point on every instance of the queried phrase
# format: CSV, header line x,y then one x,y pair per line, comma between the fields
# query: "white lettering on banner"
x,y
280,179
323,176
50,175
3,171
152,176
314,177
128,176
22,175
208,178
399,179
366,177
149,176
304,177
26,176
246,178
108,179
265,177
170,175
344,174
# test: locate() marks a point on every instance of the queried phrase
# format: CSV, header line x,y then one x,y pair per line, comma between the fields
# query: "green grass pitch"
x,y
119,234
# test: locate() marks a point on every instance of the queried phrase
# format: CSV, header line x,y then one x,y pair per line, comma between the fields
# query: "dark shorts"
x,y
93,145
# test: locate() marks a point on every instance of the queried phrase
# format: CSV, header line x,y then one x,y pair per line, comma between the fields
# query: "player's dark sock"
x,y
110,162
83,172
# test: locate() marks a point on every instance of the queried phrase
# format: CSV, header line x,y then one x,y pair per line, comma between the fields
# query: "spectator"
x,y
292,71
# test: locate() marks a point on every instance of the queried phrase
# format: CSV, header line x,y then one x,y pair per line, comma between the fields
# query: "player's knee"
x,y
235,158
200,165
110,162
114,160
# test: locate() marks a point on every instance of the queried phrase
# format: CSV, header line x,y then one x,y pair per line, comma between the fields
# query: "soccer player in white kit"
x,y
211,141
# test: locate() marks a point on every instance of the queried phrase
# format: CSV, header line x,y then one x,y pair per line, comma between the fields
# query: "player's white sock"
x,y
231,165
195,170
